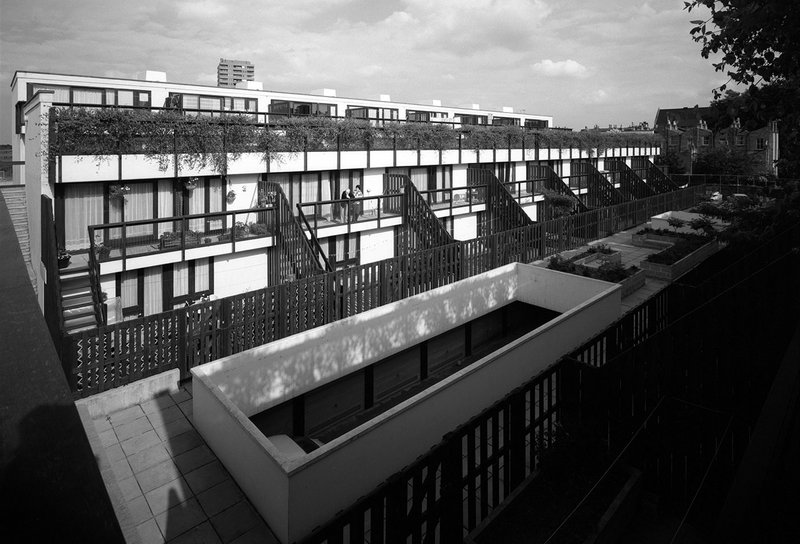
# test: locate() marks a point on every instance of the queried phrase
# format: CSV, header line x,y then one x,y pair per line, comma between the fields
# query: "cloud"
x,y
204,9
561,68
598,96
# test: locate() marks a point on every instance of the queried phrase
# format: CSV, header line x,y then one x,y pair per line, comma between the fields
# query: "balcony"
x,y
345,216
151,242
456,200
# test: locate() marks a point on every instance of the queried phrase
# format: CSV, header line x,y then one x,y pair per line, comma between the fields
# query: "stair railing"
x,y
504,211
630,184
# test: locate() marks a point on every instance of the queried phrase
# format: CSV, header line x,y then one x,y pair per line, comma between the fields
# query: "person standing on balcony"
x,y
359,206
347,209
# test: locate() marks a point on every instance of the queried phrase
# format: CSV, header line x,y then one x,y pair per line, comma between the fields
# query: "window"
x,y
419,115
191,280
535,123
377,116
761,144
472,119
206,103
705,140
505,121
740,139
284,107
89,96
344,250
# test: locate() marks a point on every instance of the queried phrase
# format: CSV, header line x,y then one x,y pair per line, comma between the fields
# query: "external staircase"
x,y
76,300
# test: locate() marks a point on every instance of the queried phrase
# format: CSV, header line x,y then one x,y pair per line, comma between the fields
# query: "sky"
x,y
584,62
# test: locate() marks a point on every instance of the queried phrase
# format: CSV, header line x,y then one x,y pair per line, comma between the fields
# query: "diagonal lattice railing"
x,y
630,184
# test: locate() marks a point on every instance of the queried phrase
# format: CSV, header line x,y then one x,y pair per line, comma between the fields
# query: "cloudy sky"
x,y
585,62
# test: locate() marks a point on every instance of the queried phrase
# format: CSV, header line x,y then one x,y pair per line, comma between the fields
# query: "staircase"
x,y
16,202
76,300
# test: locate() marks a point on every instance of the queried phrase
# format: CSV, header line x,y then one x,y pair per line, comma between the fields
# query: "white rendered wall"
x,y
377,245
465,227
319,484
239,273
37,183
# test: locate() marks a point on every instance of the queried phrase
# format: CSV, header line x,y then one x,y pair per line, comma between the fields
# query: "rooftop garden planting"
x,y
686,244
205,139
612,272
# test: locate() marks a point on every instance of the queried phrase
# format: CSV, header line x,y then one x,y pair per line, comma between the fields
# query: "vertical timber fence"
x,y
114,355
613,382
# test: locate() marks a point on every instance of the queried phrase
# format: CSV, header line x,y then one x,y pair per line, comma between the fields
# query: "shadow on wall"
x,y
278,376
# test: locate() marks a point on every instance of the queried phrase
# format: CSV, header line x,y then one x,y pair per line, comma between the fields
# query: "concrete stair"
x,y
76,300
16,202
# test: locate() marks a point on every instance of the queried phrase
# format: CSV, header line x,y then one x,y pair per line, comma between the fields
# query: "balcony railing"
x,y
128,239
350,211
455,198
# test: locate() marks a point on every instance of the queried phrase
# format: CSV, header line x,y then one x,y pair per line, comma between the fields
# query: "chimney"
x,y
325,92
385,98
437,103
153,75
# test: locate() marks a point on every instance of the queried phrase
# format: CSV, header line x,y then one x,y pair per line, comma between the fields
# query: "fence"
x,y
114,355
703,355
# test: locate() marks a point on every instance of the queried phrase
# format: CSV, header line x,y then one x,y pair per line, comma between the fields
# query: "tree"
x,y
760,48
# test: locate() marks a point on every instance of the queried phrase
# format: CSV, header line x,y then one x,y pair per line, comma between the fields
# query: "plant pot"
x,y
63,262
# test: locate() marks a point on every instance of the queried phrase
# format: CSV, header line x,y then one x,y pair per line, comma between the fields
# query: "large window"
x,y
376,116
535,123
472,119
419,115
344,250
210,104
505,121
290,108
93,96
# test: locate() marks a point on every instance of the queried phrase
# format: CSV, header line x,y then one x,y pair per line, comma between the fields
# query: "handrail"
x,y
472,197
138,222
504,210
228,225
292,240
314,241
94,284
553,182
600,192
629,182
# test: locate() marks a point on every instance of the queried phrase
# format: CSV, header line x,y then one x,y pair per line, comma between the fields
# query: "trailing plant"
x,y
200,141
118,192
231,196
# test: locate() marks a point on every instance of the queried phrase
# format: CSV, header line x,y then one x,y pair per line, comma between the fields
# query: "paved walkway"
x,y
174,487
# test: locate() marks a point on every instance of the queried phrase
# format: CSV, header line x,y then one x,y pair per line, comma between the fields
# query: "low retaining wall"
x,y
670,272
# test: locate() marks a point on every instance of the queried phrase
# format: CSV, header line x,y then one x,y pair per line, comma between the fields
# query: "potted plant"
x,y
240,229
190,184
103,252
231,196
63,258
118,192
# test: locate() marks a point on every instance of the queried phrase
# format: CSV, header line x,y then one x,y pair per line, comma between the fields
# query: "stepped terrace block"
x,y
298,480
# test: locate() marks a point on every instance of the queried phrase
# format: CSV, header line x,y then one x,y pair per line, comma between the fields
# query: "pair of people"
x,y
356,208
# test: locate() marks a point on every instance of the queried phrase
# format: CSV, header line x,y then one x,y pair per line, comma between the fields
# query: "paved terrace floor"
x,y
174,489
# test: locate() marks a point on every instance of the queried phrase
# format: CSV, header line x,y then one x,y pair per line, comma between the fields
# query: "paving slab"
x,y
133,428
201,534
130,488
207,476
165,415
148,458
124,416
181,395
149,533
139,510
173,428
194,458
235,521
157,476
183,442
140,443
157,404
179,519
220,497
168,495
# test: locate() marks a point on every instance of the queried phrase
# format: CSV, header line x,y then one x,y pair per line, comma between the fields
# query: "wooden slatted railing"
x,y
600,193
654,177
114,355
299,260
502,209
630,185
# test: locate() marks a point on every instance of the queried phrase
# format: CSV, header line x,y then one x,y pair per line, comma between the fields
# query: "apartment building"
x,y
231,72
159,231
